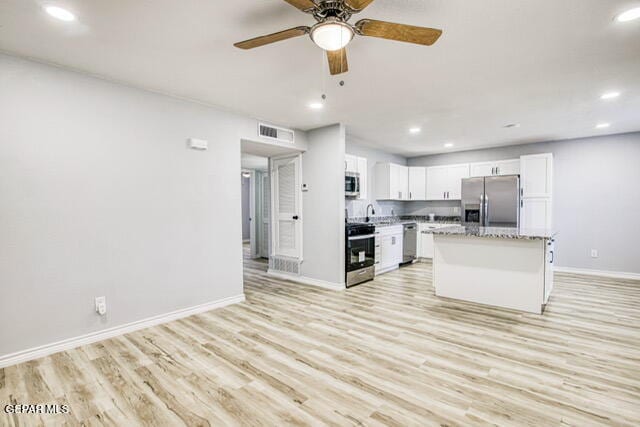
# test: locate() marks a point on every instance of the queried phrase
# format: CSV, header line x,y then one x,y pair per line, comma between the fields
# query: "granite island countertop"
x,y
496,232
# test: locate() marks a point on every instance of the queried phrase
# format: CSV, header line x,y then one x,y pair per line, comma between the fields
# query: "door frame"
x,y
273,194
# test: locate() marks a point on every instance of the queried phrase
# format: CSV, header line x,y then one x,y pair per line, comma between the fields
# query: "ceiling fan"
x,y
333,31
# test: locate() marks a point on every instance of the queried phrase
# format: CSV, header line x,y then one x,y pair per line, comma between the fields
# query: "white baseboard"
x,y
603,273
70,343
307,281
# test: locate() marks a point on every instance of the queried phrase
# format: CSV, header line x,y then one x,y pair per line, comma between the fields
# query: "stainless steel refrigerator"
x,y
492,201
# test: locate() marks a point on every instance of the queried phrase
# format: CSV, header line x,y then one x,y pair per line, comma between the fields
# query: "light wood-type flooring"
x,y
386,353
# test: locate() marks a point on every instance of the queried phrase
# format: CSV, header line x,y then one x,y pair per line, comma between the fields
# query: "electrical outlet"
x,y
594,253
101,305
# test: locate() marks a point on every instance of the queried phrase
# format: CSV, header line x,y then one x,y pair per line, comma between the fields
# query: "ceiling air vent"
x,y
276,133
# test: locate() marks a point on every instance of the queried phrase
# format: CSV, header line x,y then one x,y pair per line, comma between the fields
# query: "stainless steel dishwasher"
x,y
409,243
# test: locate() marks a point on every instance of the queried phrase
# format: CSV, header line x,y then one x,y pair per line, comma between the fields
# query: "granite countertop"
x,y
496,232
384,221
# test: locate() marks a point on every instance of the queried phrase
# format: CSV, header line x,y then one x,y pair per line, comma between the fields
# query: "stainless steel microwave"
x,y
352,184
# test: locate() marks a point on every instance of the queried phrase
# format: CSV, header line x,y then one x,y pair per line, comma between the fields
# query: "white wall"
x,y
596,197
100,196
357,208
323,205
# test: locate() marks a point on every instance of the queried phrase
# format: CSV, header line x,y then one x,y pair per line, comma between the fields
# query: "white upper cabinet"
x,y
350,163
508,167
436,183
417,183
362,170
496,168
536,175
391,182
455,175
445,182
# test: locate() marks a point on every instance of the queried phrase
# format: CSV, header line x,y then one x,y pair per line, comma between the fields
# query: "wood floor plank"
x,y
385,353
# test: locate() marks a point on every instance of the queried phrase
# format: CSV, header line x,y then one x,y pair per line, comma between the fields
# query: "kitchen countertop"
x,y
389,220
496,232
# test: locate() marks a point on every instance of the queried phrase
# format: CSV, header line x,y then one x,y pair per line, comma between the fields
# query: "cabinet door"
x,y
363,171
396,243
417,183
427,245
386,251
535,212
436,182
403,181
350,163
455,175
482,169
508,167
536,174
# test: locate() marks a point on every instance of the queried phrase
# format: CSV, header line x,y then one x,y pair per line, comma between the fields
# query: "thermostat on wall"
x,y
198,144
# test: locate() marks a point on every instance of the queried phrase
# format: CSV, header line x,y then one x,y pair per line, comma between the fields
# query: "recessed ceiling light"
x,y
246,175
60,13
316,105
602,125
629,15
448,145
512,125
414,130
610,95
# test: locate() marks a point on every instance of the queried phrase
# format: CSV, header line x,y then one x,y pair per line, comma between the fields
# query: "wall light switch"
x,y
198,144
594,253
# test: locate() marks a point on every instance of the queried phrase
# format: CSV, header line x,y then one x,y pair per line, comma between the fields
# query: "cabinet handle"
x,y
493,170
552,257
410,196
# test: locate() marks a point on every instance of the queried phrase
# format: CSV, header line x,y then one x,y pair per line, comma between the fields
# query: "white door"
x,y
265,208
286,208
536,213
455,175
417,183
436,183
253,225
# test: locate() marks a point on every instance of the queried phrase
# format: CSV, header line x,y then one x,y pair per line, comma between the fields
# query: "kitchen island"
x,y
503,267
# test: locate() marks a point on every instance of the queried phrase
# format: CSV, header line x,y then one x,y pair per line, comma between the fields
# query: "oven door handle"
x,y
367,236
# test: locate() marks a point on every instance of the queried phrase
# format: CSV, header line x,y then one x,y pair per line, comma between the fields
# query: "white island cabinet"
x,y
504,267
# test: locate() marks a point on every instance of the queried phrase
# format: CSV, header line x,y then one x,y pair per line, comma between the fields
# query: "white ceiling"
x,y
541,63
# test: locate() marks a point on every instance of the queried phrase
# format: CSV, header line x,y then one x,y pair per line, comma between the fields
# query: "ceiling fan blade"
x,y
398,32
303,5
272,38
357,5
338,61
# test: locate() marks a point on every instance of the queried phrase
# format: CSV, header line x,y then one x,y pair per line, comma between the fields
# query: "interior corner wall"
x,y
323,205
100,196
358,207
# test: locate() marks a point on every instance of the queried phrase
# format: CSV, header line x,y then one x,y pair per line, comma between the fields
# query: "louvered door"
x,y
287,224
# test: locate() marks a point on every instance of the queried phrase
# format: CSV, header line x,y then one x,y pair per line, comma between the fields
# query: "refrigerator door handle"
x,y
481,210
486,211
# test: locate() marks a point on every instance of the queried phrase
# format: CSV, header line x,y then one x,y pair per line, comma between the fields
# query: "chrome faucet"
x,y
373,212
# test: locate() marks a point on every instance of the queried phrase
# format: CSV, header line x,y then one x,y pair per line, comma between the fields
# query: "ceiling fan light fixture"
x,y
332,35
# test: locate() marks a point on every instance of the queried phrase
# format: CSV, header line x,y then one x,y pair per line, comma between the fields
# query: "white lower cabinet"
x,y
388,248
425,239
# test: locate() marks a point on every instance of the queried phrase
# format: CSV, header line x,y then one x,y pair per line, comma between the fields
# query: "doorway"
x,y
271,180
